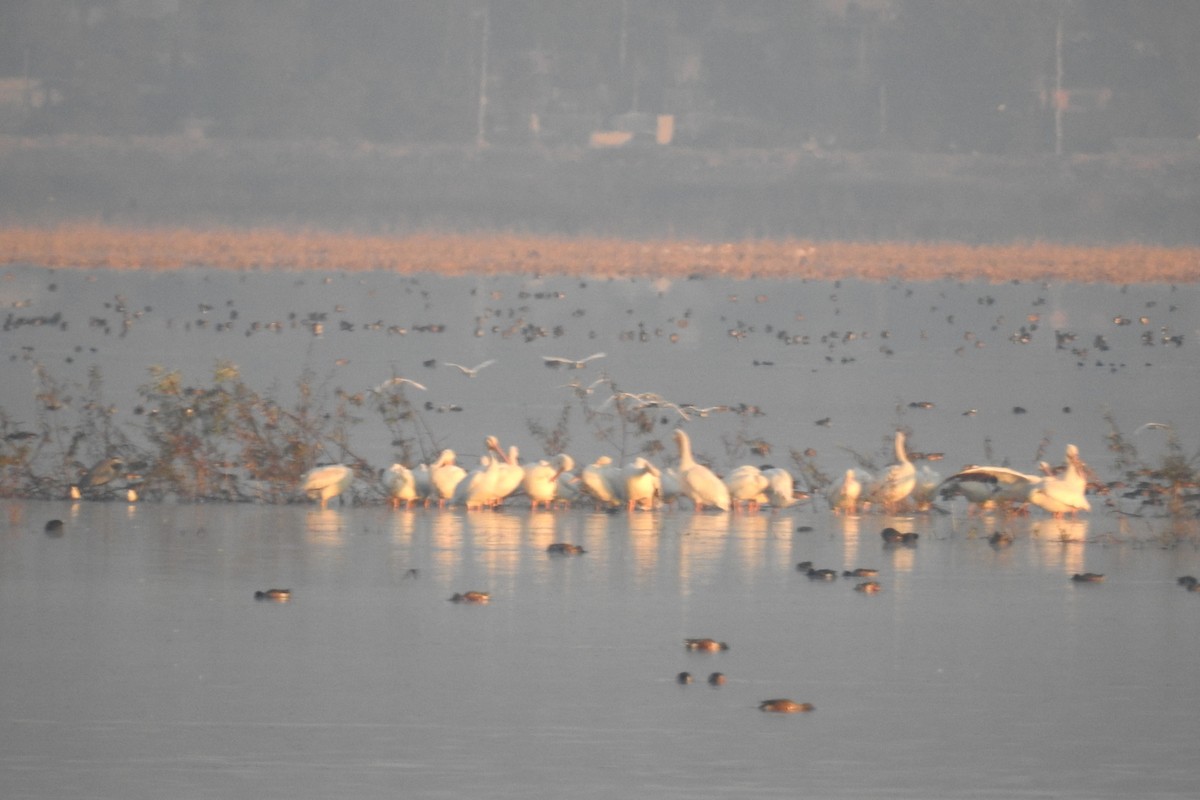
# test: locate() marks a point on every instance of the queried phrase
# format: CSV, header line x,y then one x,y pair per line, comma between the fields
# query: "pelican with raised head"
x,y
1065,493
700,483
896,483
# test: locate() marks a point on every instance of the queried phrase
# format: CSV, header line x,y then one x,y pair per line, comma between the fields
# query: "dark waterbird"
x,y
785,706
472,597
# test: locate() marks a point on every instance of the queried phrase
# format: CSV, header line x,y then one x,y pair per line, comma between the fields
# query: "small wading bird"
x,y
325,483
99,475
471,372
558,361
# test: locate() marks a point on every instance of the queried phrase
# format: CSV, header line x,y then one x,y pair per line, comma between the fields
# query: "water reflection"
x,y
325,527
153,619
1059,530
849,524
403,526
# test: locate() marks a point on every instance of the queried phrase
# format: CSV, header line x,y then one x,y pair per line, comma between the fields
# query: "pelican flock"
x,y
642,485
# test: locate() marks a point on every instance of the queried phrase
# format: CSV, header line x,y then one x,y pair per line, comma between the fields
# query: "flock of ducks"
x,y
642,485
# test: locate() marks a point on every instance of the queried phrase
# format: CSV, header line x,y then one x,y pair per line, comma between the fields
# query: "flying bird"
x,y
397,382
470,372
558,361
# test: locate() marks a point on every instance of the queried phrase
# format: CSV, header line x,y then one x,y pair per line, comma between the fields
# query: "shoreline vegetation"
x,y
91,245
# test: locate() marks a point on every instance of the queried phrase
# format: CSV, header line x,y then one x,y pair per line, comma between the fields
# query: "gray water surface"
x,y
1013,372
136,662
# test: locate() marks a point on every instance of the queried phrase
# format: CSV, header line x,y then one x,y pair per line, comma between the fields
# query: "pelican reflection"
x,y
324,526
1060,530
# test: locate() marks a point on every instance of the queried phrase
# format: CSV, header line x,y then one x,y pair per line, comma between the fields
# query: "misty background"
x,y
970,119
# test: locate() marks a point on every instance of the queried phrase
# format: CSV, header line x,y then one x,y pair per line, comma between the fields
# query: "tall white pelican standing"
x,y
843,493
599,481
401,485
541,479
1065,493
747,485
893,486
444,476
327,482
781,487
642,486
700,483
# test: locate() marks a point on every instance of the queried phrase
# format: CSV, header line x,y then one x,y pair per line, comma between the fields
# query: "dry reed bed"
x,y
86,245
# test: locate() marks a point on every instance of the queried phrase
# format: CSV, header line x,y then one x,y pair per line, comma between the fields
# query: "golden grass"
x,y
88,245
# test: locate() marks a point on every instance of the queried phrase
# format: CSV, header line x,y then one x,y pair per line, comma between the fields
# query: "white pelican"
x,y
843,493
984,487
747,484
700,483
478,489
781,488
557,361
510,472
541,479
401,485
471,372
599,480
327,482
444,476
641,484
893,486
1066,493
397,381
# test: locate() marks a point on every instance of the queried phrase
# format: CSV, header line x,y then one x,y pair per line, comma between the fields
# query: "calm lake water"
x,y
1012,372
135,662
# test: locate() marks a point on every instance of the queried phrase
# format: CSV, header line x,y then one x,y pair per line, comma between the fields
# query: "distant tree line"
x,y
920,75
